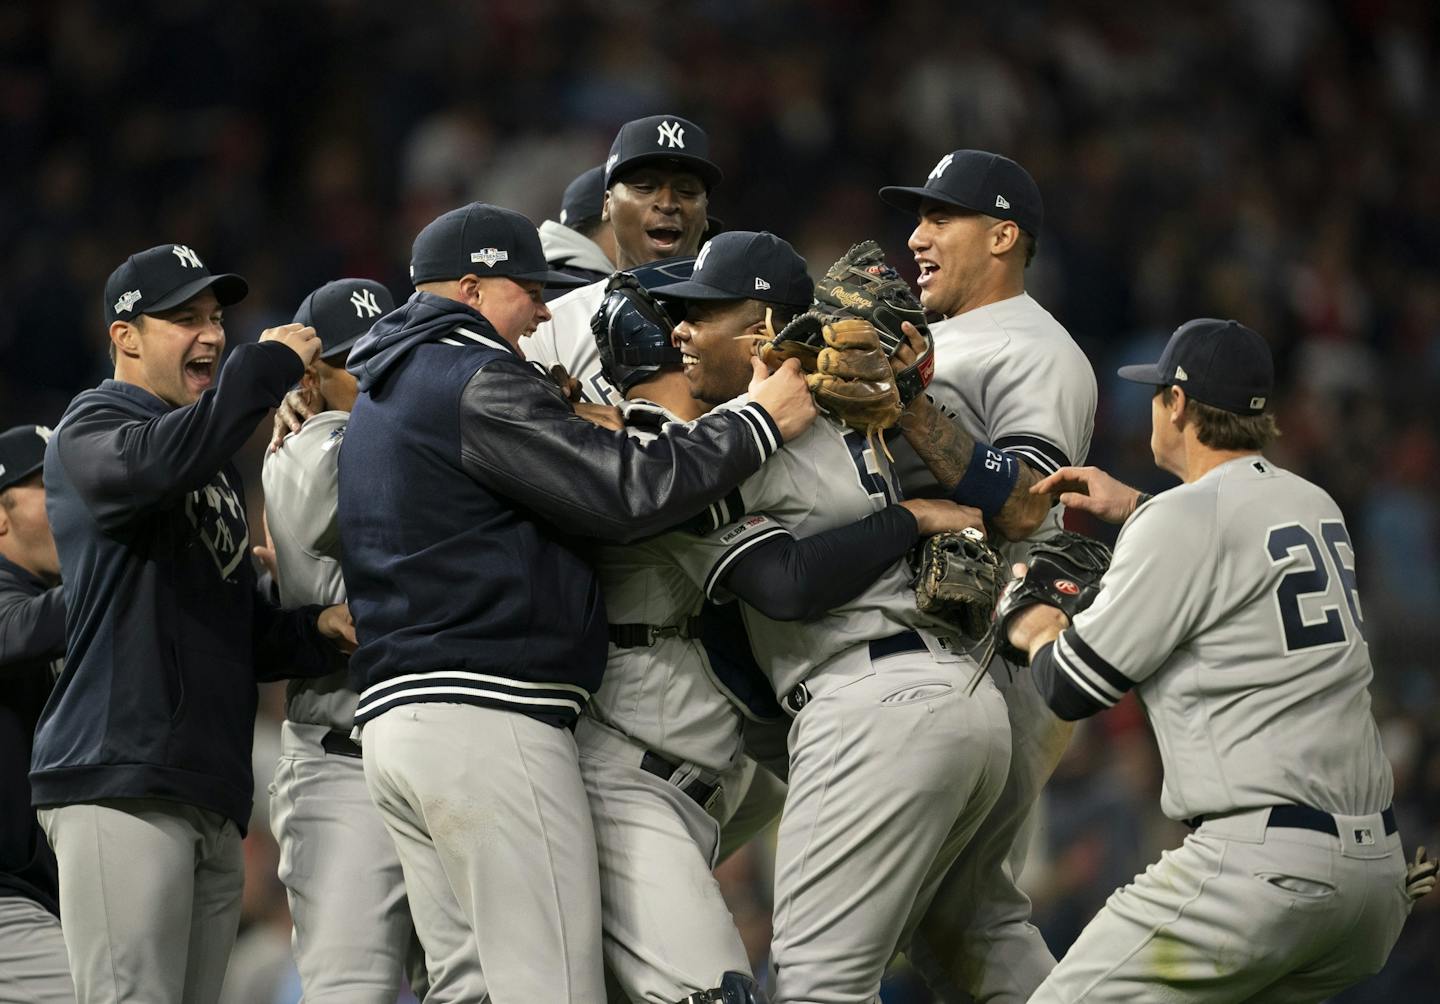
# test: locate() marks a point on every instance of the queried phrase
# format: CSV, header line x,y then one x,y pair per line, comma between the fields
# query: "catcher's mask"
x,y
632,326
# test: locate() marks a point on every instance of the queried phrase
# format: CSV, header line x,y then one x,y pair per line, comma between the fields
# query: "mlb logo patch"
x,y
1364,836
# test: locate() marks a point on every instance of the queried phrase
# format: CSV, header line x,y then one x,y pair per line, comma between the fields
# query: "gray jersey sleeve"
x,y
1151,600
302,485
1038,402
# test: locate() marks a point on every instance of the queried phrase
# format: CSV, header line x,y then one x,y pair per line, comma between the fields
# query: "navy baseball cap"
x,y
1221,363
745,265
22,453
676,142
979,181
584,197
486,240
165,276
342,311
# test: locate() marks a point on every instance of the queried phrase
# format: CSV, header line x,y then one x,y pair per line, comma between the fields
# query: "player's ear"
x,y
126,338
1003,237
1178,400
605,208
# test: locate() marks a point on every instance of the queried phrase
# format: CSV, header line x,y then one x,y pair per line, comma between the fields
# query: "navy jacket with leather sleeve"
x,y
166,634
466,479
32,641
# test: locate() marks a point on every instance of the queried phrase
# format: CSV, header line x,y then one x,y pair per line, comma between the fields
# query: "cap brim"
x,y
706,171
13,476
229,288
552,279
326,355
1142,373
691,289
910,199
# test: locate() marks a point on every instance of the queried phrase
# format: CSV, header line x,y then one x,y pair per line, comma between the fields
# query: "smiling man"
x,y
141,766
658,180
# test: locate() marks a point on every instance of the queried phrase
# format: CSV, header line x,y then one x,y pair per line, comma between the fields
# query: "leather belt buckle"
x,y
338,743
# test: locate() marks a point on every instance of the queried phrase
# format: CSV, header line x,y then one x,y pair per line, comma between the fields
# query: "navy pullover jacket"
x,y
32,641
166,633
465,480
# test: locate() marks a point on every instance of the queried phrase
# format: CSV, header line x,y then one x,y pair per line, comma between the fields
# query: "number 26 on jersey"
x,y
1294,545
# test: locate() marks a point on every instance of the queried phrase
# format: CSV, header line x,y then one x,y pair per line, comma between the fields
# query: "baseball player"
x,y
463,475
33,964
580,244
1012,400
141,767
1231,609
892,763
658,179
353,939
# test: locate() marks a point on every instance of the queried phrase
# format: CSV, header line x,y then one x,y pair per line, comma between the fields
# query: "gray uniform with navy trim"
x,y
1011,376
892,765
1252,667
353,938
666,930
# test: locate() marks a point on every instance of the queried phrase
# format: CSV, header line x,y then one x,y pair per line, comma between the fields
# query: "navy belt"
x,y
698,791
1302,817
896,644
645,635
340,744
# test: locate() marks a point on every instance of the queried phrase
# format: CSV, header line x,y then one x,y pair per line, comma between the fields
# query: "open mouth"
x,y
201,370
927,272
687,360
665,238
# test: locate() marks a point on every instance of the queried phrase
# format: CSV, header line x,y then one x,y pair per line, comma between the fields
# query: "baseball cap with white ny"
x,y
162,277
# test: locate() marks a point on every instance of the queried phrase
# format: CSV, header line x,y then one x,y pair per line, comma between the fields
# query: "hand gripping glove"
x,y
957,578
1064,572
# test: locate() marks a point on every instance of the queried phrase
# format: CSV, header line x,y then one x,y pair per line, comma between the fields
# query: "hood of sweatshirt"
x,y
424,317
571,248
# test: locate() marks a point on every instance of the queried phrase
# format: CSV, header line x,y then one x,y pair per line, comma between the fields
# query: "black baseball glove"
x,y
1064,572
957,578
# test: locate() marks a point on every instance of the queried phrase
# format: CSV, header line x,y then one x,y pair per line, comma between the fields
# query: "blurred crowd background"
x,y
1277,162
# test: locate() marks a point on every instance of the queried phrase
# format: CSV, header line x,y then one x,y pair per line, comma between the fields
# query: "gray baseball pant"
x,y
892,767
667,931
150,892
33,965
977,933
492,825
353,940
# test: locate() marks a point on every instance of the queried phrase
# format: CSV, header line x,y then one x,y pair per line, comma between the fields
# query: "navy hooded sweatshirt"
x,y
32,642
166,634
466,479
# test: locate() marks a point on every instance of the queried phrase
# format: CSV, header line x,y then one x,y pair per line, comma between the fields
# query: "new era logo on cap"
x,y
1001,203
1180,373
761,283
489,256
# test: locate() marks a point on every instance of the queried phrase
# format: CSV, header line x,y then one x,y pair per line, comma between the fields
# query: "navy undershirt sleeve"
x,y
792,579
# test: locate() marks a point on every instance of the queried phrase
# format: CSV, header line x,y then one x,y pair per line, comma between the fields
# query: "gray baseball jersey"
x,y
1231,608
660,695
566,339
892,763
301,490
827,477
1011,376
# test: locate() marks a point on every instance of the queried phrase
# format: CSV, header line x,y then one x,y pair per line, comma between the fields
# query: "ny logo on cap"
x,y
1000,202
187,257
126,301
700,259
610,162
489,256
1180,373
363,300
672,133
941,167
761,283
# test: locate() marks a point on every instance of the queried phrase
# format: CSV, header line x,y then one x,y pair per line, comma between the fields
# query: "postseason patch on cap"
x,y
488,257
127,301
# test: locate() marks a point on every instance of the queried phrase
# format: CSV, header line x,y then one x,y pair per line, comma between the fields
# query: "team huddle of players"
x,y
622,599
